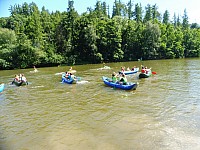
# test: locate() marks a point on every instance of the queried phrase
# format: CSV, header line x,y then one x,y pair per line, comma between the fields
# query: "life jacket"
x,y
114,79
124,80
143,70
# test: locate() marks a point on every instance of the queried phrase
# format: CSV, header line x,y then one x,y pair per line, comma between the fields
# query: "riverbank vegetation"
x,y
30,36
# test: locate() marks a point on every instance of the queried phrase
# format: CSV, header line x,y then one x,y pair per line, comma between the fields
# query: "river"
x,y
163,113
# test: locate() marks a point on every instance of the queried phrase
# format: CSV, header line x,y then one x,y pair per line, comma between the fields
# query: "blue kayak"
x,y
129,72
129,86
65,80
2,87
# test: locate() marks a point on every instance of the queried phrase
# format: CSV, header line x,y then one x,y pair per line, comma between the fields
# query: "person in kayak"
x,y
114,77
133,69
35,69
147,70
122,69
123,79
23,78
67,75
143,69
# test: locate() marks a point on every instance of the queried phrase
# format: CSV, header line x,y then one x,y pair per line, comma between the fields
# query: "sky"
x,y
173,6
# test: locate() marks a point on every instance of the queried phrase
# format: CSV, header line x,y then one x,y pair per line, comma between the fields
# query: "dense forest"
x,y
30,36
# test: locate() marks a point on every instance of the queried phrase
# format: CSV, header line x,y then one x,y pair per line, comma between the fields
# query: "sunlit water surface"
x,y
162,113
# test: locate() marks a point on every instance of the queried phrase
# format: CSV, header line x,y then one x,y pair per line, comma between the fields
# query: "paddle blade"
x,y
154,72
78,78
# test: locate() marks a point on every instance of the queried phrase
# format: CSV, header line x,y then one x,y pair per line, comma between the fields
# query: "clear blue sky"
x,y
173,6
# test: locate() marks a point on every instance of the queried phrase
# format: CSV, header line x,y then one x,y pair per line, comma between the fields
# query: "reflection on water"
x,y
162,113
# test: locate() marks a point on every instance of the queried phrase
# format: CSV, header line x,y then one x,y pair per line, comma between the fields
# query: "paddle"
x,y
153,72
78,78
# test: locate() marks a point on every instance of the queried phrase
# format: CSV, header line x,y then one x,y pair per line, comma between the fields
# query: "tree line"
x,y
32,37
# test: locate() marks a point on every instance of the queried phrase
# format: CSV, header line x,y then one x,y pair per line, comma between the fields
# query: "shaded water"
x,y
162,113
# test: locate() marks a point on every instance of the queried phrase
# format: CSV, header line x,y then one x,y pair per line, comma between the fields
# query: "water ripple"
x,y
163,113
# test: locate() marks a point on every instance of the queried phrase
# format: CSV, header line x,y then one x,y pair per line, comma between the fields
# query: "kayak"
x,y
145,75
71,71
104,68
69,81
19,83
129,72
2,87
34,71
129,86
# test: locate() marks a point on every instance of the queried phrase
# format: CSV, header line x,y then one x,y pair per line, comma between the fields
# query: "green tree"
x,y
130,40
85,47
34,27
119,9
151,40
155,14
24,54
138,13
3,22
130,11
7,44
185,23
194,25
148,13
64,35
102,38
36,37
178,21
191,42
178,48
166,17
167,41
174,20
114,29
104,9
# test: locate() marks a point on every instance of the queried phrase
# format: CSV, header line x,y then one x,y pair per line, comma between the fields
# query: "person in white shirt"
x,y
23,78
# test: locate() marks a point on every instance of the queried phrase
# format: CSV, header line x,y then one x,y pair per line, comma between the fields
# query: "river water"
x,y
162,113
